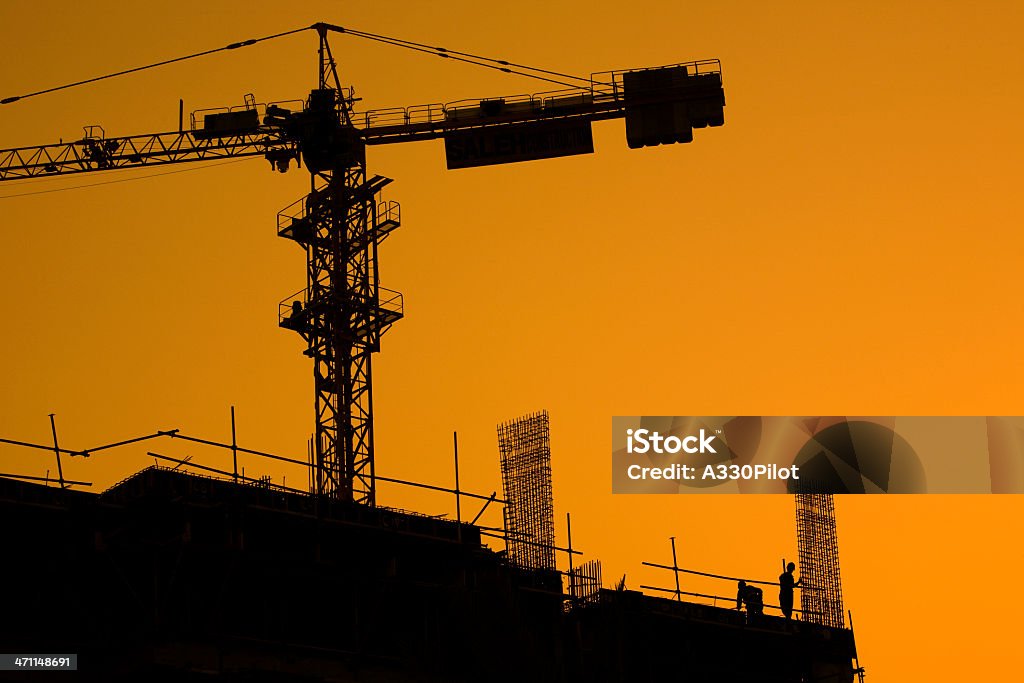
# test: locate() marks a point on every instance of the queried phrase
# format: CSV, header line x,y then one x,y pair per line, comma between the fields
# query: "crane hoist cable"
x,y
488,62
447,54
120,180
468,58
232,46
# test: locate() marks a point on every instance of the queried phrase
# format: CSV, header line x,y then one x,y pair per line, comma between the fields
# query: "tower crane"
x,y
343,311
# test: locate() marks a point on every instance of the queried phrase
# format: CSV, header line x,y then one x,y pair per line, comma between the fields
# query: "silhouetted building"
x,y
169,576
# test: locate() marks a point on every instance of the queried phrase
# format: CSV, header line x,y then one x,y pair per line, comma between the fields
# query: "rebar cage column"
x,y
525,448
821,597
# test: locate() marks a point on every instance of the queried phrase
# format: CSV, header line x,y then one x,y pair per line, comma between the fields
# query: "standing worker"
x,y
786,586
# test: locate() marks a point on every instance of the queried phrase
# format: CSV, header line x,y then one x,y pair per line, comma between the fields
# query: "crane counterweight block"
x,y
664,105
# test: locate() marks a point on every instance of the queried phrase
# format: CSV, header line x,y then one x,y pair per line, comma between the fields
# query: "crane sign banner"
x,y
652,454
517,142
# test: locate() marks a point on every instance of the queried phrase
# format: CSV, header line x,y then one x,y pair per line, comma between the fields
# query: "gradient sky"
x,y
848,243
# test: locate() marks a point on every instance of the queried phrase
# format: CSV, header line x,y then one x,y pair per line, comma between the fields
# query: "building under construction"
x,y
174,576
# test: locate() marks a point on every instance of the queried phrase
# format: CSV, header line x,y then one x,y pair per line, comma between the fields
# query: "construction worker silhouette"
x,y
751,596
786,586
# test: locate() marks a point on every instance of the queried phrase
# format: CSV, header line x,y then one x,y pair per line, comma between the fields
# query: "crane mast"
x,y
339,313
342,311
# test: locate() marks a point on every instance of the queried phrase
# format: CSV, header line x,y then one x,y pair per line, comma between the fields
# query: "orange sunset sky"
x,y
848,243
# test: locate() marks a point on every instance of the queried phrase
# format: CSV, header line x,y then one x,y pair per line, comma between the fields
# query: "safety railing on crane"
x,y
294,310
389,217
611,82
293,220
603,86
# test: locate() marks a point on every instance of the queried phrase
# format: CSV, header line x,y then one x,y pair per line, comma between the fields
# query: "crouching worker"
x,y
751,596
